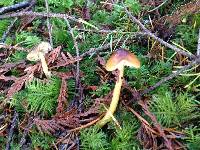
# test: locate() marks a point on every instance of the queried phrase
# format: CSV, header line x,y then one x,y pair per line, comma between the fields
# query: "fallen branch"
x,y
148,32
15,7
171,76
38,14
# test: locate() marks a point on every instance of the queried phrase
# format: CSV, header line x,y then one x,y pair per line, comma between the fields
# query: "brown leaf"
x,y
5,78
53,55
7,67
62,99
57,123
16,86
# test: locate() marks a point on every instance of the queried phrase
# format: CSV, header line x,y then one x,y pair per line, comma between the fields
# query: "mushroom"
x,y
39,54
118,60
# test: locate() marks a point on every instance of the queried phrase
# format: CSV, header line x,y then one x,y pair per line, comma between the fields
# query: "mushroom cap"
x,y
121,58
42,48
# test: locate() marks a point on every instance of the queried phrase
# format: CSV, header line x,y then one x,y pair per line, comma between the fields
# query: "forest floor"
x,y
55,88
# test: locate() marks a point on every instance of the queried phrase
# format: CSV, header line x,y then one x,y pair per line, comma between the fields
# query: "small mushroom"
x,y
39,54
118,60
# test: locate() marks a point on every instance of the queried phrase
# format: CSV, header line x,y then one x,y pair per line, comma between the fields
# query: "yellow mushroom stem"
x,y
115,99
44,65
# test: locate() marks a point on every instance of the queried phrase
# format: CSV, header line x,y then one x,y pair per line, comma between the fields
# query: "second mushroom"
x,y
118,60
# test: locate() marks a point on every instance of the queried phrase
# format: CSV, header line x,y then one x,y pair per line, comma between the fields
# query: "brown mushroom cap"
x,y
121,58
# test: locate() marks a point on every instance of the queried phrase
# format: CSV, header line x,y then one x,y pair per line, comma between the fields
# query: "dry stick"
x,y
198,46
2,45
106,46
196,61
77,56
134,20
48,23
15,7
38,14
11,131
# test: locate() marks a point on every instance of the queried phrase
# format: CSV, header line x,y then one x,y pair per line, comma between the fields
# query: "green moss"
x,y
173,110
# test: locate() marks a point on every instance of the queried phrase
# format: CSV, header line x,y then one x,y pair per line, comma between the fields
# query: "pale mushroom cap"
x,y
120,58
42,48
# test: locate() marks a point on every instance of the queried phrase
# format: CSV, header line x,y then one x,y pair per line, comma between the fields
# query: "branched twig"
x,y
78,84
38,14
2,45
196,61
107,46
48,23
176,49
11,131
77,51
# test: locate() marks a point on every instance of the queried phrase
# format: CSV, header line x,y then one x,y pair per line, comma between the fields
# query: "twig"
x,y
8,30
2,45
38,14
148,32
107,31
198,46
87,125
15,7
196,61
78,84
48,24
107,46
77,51
11,131
158,6
26,131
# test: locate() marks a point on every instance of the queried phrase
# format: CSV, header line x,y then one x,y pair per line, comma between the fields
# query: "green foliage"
x,y
134,6
125,138
3,26
173,110
187,35
43,141
42,97
19,102
6,2
38,96
61,34
193,138
148,74
70,88
61,3
102,90
27,39
17,56
89,68
93,138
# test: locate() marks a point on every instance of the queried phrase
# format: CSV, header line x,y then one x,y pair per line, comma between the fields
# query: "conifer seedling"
x,y
118,60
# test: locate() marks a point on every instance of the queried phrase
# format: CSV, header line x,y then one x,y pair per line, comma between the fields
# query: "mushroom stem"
x,y
115,100
44,65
